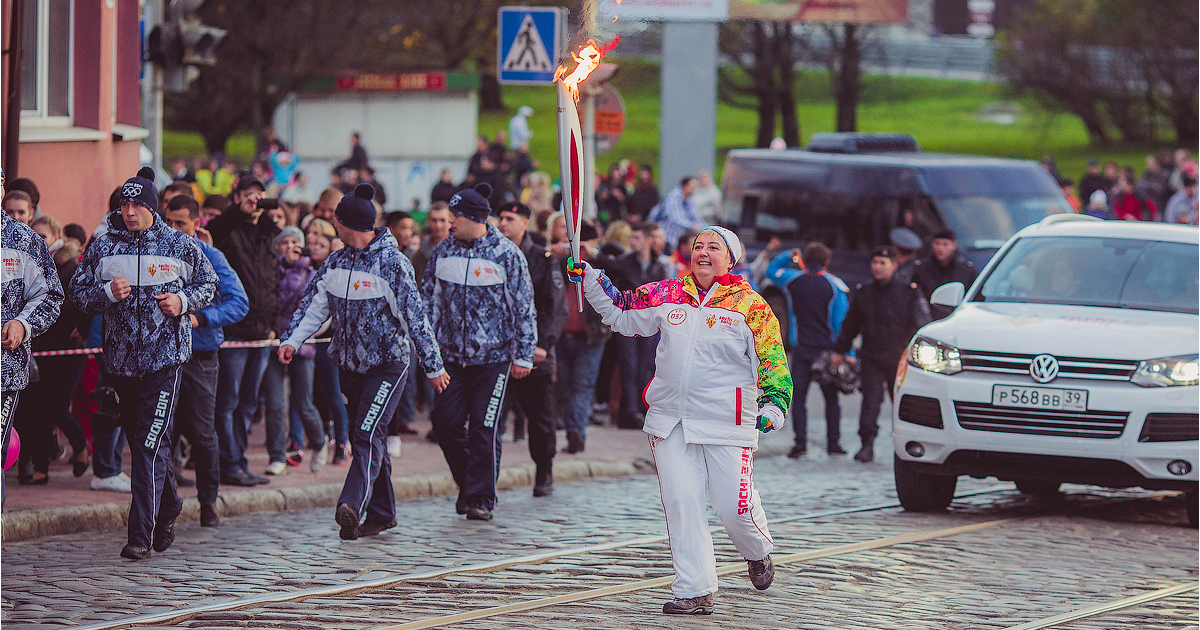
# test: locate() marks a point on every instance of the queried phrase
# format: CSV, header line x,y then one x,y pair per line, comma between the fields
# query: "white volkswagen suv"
x,y
1072,358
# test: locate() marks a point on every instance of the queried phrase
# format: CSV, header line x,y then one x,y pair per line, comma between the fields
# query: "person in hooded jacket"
x,y
31,299
369,290
721,378
480,299
145,278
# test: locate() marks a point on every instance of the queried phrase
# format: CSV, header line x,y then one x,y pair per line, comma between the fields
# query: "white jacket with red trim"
x,y
719,361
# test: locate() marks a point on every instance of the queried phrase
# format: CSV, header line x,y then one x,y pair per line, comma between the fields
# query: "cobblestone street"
x,y
1053,557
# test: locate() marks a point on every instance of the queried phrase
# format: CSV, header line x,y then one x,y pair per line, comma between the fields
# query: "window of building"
x,y
46,65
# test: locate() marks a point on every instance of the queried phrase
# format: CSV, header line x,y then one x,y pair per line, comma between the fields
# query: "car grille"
x,y
1068,367
1170,427
921,410
1080,424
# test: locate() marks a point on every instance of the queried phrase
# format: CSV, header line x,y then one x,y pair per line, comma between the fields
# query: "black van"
x,y
850,190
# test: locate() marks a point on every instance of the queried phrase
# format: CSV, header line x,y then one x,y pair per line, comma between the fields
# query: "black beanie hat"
x,y
140,189
356,211
472,203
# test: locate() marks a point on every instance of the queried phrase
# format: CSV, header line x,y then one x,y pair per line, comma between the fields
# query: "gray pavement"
x,y
1057,559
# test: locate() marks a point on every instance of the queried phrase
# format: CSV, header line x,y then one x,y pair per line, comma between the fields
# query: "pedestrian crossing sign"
x,y
529,42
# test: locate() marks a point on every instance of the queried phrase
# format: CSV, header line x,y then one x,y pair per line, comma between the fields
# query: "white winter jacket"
x,y
719,361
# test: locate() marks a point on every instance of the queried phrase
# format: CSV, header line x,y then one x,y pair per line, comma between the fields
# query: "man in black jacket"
x,y
945,265
887,313
534,392
636,354
246,242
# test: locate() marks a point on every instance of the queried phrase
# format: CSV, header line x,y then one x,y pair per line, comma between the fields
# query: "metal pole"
x,y
152,90
12,110
589,124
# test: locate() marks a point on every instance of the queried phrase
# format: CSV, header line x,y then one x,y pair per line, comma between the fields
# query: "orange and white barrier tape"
x,y
262,343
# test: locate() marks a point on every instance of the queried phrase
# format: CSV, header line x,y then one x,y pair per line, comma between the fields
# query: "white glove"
x,y
770,418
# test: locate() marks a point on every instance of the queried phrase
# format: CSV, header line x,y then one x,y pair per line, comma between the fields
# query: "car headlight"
x,y
1168,371
934,356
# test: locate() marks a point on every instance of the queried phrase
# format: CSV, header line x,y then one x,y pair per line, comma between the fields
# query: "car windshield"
x,y
987,221
1093,271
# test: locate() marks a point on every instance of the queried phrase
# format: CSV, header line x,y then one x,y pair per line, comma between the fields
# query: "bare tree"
x,y
761,76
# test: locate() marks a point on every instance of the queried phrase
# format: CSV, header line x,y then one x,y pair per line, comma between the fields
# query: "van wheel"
x,y
922,492
1037,488
1193,504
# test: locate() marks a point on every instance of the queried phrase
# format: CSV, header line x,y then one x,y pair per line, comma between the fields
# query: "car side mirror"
x,y
950,294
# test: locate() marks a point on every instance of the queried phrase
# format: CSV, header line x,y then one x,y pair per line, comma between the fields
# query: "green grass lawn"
x,y
940,114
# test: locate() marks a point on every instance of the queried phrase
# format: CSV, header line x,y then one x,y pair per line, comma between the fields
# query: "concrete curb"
x,y
32,524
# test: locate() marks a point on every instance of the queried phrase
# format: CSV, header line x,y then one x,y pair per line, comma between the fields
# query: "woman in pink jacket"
x,y
721,377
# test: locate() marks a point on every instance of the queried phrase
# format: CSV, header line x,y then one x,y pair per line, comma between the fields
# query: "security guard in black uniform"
x,y
887,312
534,392
945,265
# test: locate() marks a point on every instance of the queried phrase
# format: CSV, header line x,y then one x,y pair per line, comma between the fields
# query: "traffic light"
x,y
181,42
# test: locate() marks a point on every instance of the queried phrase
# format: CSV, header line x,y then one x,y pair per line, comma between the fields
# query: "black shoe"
x,y
183,482
348,519
407,430
702,605
478,513
835,450
79,467
430,437
797,452
134,552
262,481
208,515
370,528
240,478
762,572
164,533
34,481
866,454
543,481
574,442
460,505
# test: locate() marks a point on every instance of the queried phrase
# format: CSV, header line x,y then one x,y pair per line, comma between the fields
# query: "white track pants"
x,y
685,471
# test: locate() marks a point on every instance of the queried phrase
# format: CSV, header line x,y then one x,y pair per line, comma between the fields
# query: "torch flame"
x,y
587,60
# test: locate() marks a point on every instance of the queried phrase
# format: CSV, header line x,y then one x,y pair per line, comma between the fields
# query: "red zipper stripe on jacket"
x,y
739,405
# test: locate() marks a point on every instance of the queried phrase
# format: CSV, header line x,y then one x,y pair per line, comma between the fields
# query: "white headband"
x,y
731,241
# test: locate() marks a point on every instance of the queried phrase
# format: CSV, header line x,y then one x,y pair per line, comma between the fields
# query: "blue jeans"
x,y
326,374
802,377
578,366
300,370
237,398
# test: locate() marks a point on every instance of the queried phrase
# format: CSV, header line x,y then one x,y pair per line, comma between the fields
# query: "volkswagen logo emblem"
x,y
1043,368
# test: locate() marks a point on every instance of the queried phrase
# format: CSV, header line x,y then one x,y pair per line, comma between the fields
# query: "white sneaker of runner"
x,y
394,445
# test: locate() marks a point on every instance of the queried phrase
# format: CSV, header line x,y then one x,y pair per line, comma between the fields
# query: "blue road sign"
x,y
529,43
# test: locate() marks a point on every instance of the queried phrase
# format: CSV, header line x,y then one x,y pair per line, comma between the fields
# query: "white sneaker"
x,y
117,483
319,458
277,468
394,445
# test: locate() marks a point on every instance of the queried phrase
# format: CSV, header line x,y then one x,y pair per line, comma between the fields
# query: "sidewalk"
x,y
67,504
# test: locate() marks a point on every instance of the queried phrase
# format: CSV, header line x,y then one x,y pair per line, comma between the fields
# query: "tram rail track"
x,y
448,574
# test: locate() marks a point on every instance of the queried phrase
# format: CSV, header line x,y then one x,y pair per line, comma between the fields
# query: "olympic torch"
x,y
570,145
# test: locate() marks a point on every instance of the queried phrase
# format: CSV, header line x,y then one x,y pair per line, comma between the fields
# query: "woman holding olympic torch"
x,y
721,378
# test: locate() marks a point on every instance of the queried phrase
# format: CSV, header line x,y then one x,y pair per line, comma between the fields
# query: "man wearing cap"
x,y
32,299
248,244
198,383
906,243
480,299
536,390
945,265
369,290
886,312
145,279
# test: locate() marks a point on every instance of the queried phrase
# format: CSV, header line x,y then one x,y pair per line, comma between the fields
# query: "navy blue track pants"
x,y
371,401
466,421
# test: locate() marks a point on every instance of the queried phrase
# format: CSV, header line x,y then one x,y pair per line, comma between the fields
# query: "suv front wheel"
x,y
922,492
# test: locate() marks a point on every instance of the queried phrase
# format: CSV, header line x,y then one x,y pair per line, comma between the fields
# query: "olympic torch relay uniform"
x,y
33,296
719,365
371,295
144,348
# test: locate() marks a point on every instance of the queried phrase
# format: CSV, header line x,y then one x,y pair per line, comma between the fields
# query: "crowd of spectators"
x,y
1164,191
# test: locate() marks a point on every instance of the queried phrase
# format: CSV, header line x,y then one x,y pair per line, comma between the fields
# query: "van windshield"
x,y
1093,271
987,221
